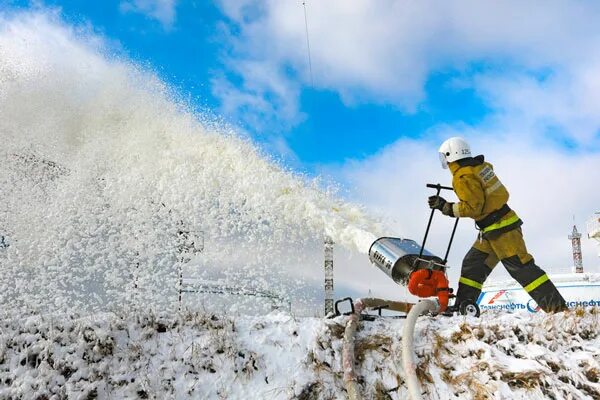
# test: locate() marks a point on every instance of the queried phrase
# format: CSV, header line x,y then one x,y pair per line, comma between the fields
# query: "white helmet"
x,y
454,149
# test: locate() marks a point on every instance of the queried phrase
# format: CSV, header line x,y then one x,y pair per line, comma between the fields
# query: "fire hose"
x,y
348,357
408,353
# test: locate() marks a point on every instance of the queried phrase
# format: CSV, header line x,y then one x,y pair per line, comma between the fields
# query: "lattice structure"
x,y
575,238
328,275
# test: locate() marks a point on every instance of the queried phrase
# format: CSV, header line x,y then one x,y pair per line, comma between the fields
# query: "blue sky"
x,y
390,81
192,49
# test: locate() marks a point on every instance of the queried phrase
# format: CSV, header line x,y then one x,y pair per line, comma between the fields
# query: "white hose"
x,y
408,353
350,379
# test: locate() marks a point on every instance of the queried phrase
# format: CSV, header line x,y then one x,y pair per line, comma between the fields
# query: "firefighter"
x,y
484,198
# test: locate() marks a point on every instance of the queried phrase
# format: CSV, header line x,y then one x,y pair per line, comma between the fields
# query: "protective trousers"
x,y
509,248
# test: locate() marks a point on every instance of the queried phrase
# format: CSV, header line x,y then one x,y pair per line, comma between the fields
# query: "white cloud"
x,y
264,97
385,51
161,10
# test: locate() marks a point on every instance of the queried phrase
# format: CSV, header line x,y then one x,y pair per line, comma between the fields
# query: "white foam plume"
x,y
107,178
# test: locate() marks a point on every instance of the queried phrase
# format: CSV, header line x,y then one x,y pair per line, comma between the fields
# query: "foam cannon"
x,y
422,272
411,265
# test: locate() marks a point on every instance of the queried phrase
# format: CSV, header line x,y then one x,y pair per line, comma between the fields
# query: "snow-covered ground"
x,y
141,354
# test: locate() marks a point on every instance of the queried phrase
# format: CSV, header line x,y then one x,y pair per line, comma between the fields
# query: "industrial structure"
x,y
593,227
575,238
328,275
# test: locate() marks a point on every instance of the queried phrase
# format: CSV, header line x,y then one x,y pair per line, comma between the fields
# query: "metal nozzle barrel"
x,y
397,258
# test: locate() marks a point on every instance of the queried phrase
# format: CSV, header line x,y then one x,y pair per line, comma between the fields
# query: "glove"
x,y
436,202
439,203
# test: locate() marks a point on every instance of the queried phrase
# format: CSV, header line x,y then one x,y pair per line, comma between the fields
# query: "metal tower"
x,y
594,229
328,275
575,238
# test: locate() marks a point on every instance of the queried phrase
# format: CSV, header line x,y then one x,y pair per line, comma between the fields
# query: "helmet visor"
x,y
443,160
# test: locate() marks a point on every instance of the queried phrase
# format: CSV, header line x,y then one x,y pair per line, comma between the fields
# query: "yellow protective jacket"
x,y
482,196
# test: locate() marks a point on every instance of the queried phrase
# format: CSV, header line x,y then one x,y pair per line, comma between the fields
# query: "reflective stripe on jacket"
x,y
480,192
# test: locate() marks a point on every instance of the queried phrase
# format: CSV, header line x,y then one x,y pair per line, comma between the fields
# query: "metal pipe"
x,y
408,352
328,276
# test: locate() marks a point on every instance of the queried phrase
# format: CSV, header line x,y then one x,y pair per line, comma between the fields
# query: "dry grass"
x,y
441,351
524,380
310,391
379,343
553,366
381,393
336,330
479,332
422,370
464,332
592,374
438,345
318,365
479,391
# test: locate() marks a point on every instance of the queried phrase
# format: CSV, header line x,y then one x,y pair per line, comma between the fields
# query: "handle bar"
x,y
438,186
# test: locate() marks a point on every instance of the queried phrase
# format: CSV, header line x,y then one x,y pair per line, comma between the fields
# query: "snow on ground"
x,y
194,355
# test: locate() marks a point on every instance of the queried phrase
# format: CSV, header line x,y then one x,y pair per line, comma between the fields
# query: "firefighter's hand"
x,y
439,203
436,202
